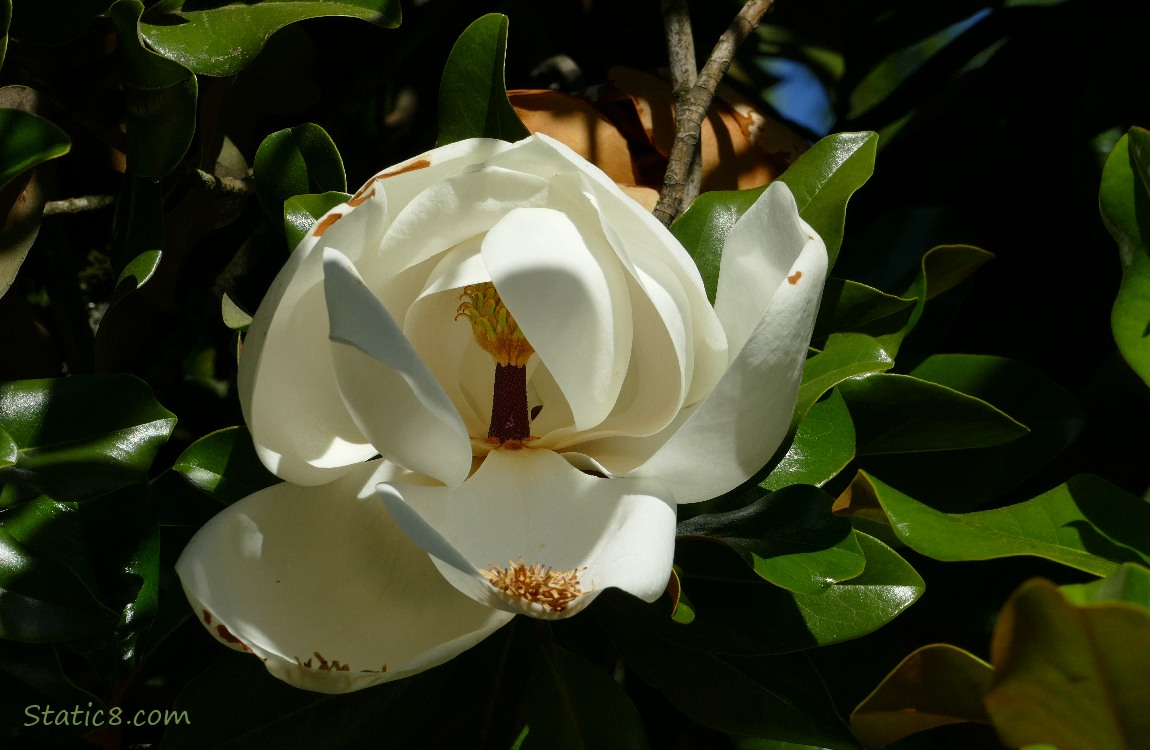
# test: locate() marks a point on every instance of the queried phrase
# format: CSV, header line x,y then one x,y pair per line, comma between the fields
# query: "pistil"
x,y
498,334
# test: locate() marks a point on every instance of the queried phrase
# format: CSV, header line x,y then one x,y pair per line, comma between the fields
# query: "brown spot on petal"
x,y
364,194
325,223
794,278
207,617
418,164
226,636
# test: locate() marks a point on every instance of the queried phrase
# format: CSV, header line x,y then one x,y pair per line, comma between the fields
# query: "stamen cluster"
x,y
537,583
495,330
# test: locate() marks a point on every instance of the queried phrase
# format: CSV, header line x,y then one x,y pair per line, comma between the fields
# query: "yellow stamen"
x,y
537,583
495,330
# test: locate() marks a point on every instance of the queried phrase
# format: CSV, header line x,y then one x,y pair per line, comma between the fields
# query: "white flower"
x,y
491,278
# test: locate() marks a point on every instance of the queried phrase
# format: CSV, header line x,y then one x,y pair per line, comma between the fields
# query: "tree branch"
x,y
695,106
681,55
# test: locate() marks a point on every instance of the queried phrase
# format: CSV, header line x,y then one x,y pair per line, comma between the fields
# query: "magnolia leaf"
x,y
28,140
294,162
935,685
1086,523
848,306
1129,583
789,537
1070,676
845,356
824,445
301,212
472,94
234,316
224,464
223,39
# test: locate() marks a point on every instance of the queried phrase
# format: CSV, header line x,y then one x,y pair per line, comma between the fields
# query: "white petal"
x,y
532,504
758,254
292,571
287,387
734,431
561,284
392,395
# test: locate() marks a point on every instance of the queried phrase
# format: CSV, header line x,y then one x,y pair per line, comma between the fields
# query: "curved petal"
x,y
734,431
559,287
389,391
758,254
532,505
287,387
321,584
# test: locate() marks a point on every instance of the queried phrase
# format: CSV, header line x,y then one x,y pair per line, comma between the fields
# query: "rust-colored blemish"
x,y
364,193
207,617
323,225
226,635
794,278
418,164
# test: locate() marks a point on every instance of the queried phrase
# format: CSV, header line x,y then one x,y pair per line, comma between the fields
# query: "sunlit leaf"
x,y
789,537
302,211
224,464
846,355
296,161
1086,523
472,94
1070,676
222,40
27,140
935,685
823,446
1129,583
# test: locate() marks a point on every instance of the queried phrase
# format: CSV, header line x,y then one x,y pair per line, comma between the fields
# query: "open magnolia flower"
x,y
487,380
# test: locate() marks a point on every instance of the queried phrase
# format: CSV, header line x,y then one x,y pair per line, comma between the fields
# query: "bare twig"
x,y
681,54
224,184
698,101
78,205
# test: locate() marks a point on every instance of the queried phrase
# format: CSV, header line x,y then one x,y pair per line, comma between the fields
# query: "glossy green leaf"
x,y
302,211
41,681
222,40
777,697
1125,202
1129,583
81,436
846,355
941,269
848,306
958,481
296,161
1070,676
823,446
27,140
138,271
574,705
682,611
234,316
472,95
41,600
935,685
822,180
9,451
160,96
902,414
5,22
1086,523
224,464
825,177
789,537
737,612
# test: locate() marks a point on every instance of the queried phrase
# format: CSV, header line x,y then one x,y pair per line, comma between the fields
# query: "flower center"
x,y
498,334
537,583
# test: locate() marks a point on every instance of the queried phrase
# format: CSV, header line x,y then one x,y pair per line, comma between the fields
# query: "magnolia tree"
x,y
587,418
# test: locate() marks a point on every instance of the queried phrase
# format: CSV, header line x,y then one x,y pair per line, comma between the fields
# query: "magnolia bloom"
x,y
487,381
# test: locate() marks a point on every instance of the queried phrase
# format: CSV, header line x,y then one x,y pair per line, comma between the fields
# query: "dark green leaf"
x,y
81,436
902,414
296,161
472,95
1130,317
41,600
849,306
846,355
224,464
302,211
789,537
1070,676
574,705
8,449
36,670
822,181
1086,523
5,21
941,270
936,685
962,480
777,697
823,446
27,140
223,40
